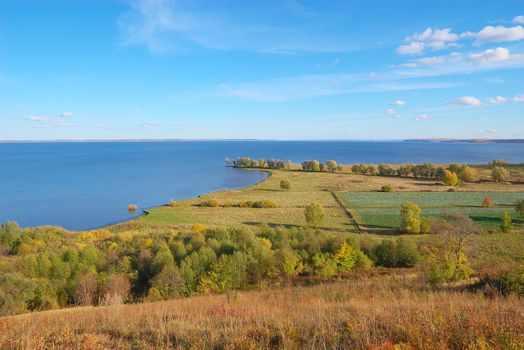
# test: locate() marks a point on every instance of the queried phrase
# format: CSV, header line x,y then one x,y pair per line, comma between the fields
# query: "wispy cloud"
x,y
312,86
37,118
67,114
497,100
174,25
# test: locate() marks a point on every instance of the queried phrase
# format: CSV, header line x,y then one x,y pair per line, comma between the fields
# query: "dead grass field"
x,y
362,312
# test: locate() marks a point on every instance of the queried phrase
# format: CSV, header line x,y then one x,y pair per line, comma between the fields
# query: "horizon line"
x,y
432,139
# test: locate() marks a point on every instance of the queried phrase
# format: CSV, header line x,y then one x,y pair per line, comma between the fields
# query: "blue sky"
x,y
290,69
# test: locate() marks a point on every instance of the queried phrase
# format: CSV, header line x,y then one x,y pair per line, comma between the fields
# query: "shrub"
x,y
410,217
132,207
196,228
245,204
213,203
387,188
425,225
513,282
488,202
285,184
314,214
506,225
264,204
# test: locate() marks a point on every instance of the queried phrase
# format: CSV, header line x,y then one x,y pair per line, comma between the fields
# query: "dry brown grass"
x,y
359,313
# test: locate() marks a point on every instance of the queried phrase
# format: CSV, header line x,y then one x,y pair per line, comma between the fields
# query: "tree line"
x,y
48,267
247,162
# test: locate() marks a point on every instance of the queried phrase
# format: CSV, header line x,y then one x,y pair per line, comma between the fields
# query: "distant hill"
x,y
468,140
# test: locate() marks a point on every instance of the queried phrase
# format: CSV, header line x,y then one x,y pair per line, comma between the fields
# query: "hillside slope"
x,y
361,312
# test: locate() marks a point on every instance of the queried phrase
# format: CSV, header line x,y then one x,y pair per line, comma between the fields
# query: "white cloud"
x,y
151,124
415,48
399,103
390,111
497,100
518,19
496,34
37,118
436,39
422,117
490,56
182,124
67,114
467,101
519,98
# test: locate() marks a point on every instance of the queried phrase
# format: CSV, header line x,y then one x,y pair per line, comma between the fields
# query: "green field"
x,y
381,211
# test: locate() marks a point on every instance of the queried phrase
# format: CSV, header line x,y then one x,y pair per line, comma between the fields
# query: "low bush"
x,y
387,188
213,203
513,282
257,204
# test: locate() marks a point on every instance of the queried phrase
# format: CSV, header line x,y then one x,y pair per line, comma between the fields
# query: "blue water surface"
x,y
82,185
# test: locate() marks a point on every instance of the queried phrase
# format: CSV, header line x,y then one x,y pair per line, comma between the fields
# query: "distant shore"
x,y
437,140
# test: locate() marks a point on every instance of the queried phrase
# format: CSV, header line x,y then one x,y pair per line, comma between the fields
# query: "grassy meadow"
x,y
322,187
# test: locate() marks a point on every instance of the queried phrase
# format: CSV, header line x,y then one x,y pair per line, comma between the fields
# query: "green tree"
x,y
407,254
324,265
499,174
289,262
447,260
450,178
410,217
285,184
345,257
467,174
506,225
384,254
314,214
331,166
519,208
169,282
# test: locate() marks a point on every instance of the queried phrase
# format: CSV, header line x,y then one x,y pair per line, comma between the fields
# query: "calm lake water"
x,y
86,185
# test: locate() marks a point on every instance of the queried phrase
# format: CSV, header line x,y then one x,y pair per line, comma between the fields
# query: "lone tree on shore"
x,y
499,174
410,217
331,166
285,184
314,214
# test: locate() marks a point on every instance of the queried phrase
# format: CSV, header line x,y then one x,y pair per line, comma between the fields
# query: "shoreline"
x,y
145,211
